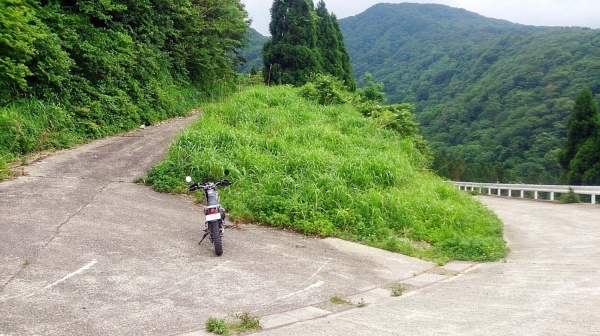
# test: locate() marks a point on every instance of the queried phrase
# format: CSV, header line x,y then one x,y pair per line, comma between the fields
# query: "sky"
x,y
582,13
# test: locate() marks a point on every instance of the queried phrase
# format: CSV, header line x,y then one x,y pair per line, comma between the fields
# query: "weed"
x,y
26,263
216,326
139,180
361,303
242,323
397,290
570,197
338,300
245,322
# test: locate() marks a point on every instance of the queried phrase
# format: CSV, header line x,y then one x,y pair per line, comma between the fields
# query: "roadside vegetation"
x,y
241,323
330,170
74,71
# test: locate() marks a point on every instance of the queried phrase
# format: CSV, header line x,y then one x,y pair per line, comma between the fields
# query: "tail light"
x,y
210,211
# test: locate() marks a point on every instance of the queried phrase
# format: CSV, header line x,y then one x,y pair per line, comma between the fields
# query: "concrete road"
x,y
84,251
549,285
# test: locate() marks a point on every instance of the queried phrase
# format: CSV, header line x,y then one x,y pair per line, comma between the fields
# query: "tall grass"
x,y
328,171
30,125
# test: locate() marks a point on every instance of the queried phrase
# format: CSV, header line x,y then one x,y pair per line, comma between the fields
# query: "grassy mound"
x,y
328,171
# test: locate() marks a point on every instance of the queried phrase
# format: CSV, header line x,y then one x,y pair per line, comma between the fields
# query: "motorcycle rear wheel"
x,y
215,234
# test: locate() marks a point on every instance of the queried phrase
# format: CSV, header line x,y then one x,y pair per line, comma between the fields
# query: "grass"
x,y
242,323
245,322
328,171
338,300
398,290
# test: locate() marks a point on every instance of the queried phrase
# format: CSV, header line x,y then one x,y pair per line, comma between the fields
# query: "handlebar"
x,y
209,185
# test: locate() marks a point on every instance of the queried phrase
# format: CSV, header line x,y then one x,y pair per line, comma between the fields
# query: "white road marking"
x,y
177,284
320,268
313,286
69,276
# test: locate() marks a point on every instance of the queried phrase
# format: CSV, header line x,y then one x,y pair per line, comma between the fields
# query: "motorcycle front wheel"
x,y
215,235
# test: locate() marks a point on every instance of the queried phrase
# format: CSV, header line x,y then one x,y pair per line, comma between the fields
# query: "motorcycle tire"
x,y
215,234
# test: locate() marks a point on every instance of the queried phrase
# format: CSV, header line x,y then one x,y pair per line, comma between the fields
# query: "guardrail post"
x,y
552,196
522,193
499,192
593,199
535,194
489,190
509,192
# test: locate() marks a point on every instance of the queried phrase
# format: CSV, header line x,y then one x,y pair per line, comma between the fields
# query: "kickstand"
x,y
205,234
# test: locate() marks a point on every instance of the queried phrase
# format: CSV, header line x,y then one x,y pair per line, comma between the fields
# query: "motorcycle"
x,y
215,214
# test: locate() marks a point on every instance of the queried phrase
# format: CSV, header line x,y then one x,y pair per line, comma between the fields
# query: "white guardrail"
x,y
523,190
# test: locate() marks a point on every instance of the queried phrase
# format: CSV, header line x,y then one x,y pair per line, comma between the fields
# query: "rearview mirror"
x,y
188,179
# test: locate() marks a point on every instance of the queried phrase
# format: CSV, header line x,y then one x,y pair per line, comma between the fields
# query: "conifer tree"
x,y
291,55
347,75
584,129
335,59
328,43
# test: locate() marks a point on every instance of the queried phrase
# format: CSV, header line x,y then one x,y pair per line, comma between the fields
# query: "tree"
x,y
330,41
585,166
583,132
347,75
18,33
327,42
373,92
291,55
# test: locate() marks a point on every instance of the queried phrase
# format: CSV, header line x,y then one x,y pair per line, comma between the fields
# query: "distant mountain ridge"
x,y
253,53
492,96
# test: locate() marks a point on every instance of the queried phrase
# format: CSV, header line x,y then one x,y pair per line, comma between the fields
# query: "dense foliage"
x,y
291,55
580,157
304,42
80,69
329,171
492,97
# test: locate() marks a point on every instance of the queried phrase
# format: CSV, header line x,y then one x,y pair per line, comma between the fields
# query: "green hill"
x,y
492,97
252,53
329,171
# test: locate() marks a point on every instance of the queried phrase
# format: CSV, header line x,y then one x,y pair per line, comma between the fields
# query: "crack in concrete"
x,y
55,235
117,180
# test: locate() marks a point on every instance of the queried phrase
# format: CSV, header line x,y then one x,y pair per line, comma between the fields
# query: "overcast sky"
x,y
583,13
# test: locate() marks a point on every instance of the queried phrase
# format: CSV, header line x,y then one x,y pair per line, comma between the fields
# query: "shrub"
x,y
324,89
570,197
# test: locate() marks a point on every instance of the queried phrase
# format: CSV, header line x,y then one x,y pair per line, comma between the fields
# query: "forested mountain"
x,y
492,97
252,53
